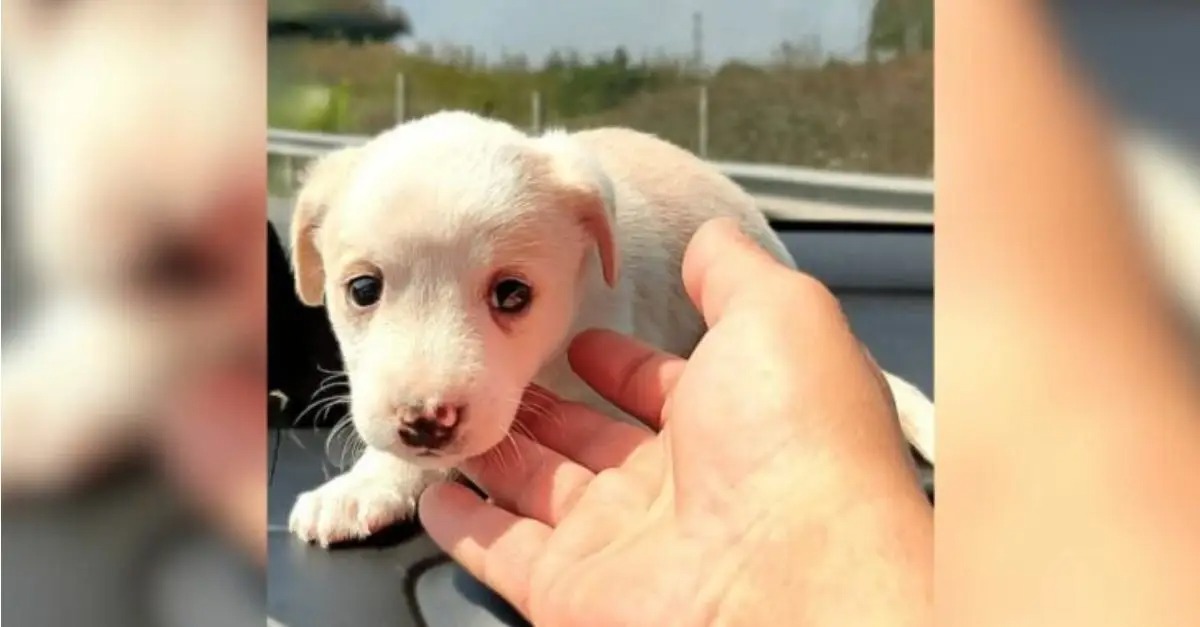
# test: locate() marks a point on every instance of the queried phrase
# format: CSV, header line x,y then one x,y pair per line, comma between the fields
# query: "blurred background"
x,y
840,85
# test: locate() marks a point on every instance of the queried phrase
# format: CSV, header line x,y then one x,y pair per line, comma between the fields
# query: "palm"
x,y
614,521
592,560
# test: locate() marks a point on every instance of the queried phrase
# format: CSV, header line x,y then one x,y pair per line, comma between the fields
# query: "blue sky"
x,y
743,29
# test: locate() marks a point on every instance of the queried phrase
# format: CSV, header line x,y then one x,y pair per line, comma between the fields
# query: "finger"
x,y
889,396
633,376
529,479
720,261
497,547
580,433
880,378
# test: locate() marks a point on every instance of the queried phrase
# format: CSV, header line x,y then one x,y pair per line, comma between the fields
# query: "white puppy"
x,y
128,146
457,257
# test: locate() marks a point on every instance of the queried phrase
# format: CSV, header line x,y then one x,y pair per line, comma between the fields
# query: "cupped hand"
x,y
773,487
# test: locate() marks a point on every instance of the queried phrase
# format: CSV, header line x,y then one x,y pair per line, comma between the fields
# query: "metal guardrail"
x,y
866,191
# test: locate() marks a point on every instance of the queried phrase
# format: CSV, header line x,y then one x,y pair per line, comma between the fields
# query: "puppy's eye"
x,y
365,290
511,296
173,267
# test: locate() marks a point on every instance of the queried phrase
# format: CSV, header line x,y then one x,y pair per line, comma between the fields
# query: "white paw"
x,y
352,507
50,446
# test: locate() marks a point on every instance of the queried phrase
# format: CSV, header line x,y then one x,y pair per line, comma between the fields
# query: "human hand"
x,y
776,489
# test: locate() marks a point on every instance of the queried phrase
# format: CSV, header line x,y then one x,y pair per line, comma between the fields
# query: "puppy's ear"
x,y
582,186
323,183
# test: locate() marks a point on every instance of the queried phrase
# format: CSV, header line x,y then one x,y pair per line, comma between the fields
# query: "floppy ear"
x,y
323,182
582,187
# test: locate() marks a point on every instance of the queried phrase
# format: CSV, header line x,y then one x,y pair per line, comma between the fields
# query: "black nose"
x,y
424,433
432,429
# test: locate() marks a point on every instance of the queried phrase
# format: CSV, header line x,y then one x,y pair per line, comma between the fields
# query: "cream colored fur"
x,y
1166,184
597,220
127,137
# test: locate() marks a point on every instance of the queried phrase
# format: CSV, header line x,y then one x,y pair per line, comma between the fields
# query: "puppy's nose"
x,y
430,428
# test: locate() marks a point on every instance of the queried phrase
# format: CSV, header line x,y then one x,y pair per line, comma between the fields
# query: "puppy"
x,y
1166,185
457,257
123,160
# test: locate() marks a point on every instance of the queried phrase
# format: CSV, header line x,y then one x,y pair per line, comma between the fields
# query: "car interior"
x,y
128,534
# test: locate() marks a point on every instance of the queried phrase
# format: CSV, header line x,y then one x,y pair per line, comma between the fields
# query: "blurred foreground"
x,y
1068,217
134,317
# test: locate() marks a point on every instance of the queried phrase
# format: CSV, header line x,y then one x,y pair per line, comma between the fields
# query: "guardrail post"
x,y
289,172
401,99
702,123
535,113
401,103
912,37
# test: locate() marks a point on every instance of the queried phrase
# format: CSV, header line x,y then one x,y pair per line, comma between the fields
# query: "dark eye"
x,y
175,267
511,296
365,290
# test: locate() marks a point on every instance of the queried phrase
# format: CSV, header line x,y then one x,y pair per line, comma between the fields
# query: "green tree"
x,y
310,6
892,19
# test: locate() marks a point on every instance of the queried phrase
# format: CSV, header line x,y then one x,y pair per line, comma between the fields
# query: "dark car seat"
x,y
302,350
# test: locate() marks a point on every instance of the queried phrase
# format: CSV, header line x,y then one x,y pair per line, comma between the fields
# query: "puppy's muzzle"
x,y
430,428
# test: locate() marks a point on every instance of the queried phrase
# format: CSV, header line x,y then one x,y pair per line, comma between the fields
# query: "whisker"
x,y
539,391
319,404
528,433
524,430
328,384
516,452
323,413
551,416
316,404
350,446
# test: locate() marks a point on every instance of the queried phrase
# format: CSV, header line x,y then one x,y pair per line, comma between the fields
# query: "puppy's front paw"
x,y
52,445
352,507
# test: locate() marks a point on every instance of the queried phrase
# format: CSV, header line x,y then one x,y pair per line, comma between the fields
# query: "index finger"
x,y
497,547
630,374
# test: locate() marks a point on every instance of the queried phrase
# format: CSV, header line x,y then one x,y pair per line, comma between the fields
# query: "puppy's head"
x,y
140,165
452,254
122,146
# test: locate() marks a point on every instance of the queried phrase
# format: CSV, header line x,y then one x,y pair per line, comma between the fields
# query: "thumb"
x,y
721,262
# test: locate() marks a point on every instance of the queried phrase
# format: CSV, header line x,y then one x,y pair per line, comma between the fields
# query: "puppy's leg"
x,y
53,441
76,398
916,415
380,489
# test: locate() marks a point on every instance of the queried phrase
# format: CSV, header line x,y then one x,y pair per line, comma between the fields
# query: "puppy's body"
x,y
625,206
662,194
